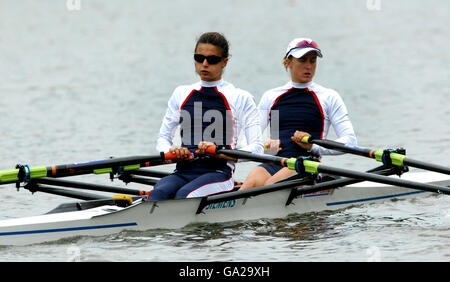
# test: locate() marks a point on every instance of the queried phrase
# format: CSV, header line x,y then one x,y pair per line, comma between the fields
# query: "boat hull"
x,y
173,214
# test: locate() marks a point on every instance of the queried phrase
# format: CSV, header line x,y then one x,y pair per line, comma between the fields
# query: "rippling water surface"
x,y
79,85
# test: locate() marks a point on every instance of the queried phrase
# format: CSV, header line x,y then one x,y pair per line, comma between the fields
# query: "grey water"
x,y
89,79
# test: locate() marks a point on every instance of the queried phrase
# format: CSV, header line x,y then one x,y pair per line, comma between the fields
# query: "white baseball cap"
x,y
300,46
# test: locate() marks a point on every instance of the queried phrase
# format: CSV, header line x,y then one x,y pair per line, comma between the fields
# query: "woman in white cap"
x,y
299,108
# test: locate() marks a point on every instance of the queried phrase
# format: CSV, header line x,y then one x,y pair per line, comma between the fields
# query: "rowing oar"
x,y
302,165
291,184
63,192
88,186
24,173
91,200
386,156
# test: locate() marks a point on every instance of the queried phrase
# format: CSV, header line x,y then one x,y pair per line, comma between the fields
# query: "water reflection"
x,y
295,227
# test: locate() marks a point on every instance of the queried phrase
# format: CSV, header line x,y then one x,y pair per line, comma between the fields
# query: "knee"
x,y
269,181
158,195
252,182
249,183
181,194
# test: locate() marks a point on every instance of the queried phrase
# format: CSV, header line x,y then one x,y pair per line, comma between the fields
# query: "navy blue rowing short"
x,y
271,168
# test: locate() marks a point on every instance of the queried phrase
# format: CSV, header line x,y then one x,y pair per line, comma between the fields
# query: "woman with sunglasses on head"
x,y
209,112
299,108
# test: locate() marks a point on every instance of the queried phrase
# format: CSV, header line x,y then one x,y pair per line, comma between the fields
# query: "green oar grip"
x,y
302,165
311,166
38,171
306,139
10,175
291,163
13,175
396,159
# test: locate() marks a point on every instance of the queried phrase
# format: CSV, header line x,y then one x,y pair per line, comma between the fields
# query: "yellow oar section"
x,y
25,173
12,175
302,165
387,157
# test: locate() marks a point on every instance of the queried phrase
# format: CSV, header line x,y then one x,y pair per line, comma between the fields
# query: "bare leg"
x,y
257,177
281,174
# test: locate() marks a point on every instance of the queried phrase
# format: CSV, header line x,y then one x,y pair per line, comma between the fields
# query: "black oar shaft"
x,y
384,180
150,173
90,167
252,192
426,166
63,192
239,154
397,159
89,186
333,184
303,165
341,147
26,173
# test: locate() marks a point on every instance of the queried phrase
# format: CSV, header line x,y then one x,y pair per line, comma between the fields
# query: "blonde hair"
x,y
284,62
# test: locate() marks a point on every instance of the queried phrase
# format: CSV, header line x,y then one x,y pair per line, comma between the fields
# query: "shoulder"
x,y
271,95
180,94
326,94
187,88
244,94
319,89
234,93
330,100
278,90
323,90
182,91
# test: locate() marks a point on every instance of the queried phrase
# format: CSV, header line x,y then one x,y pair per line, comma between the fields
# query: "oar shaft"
x,y
150,173
64,192
337,183
129,163
239,154
89,186
396,159
221,197
26,173
304,165
330,144
384,179
423,165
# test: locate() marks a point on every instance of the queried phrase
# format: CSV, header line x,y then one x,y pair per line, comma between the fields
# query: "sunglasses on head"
x,y
305,44
213,59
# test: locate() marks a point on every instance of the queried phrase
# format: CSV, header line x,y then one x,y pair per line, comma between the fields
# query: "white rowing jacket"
x,y
306,107
211,111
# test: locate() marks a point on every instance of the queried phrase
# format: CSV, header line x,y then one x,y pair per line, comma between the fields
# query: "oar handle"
x,y
170,156
290,163
239,154
387,156
330,144
306,139
211,149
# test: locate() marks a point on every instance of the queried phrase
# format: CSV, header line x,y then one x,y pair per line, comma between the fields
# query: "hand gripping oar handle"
x,y
239,154
304,165
291,163
26,173
386,156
